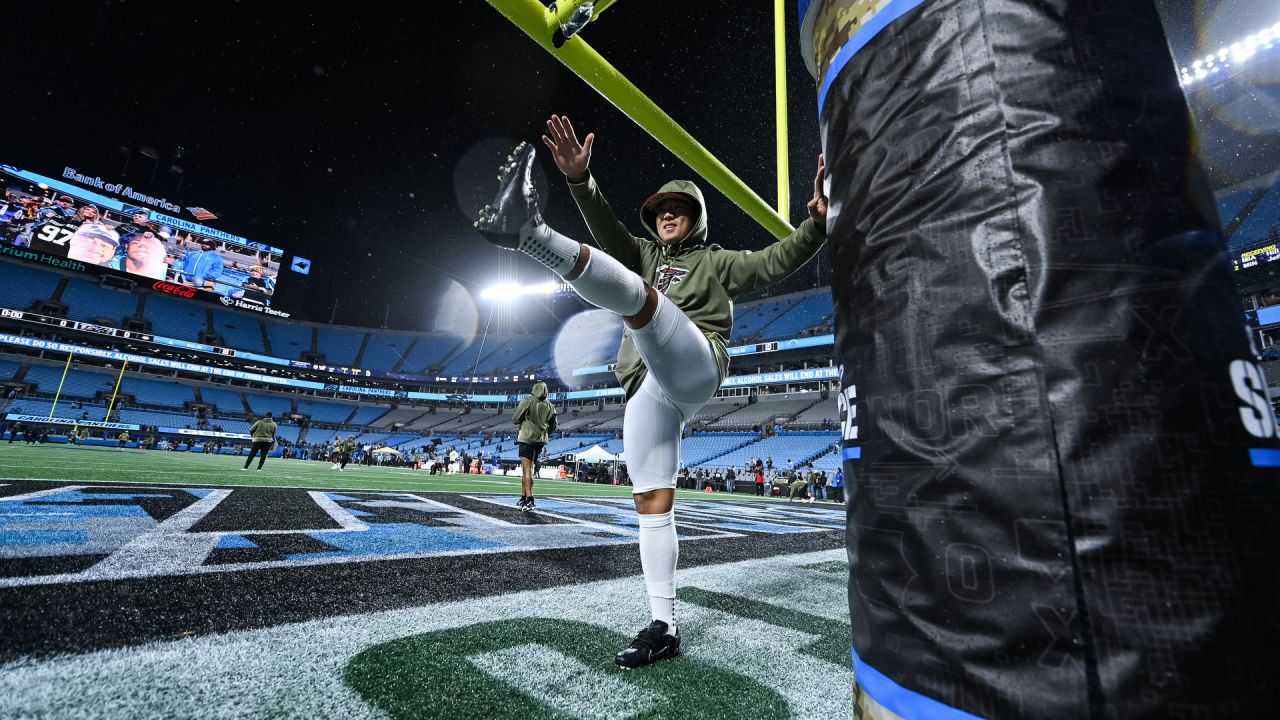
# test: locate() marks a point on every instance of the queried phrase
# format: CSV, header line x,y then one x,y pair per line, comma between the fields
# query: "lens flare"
x,y
457,314
588,339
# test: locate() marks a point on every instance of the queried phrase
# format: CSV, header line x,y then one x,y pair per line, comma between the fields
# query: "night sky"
x,y
348,132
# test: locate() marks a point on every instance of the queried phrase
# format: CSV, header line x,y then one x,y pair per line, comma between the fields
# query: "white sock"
x,y
556,251
659,551
607,283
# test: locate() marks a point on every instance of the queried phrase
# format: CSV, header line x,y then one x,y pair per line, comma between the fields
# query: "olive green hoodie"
x,y
535,416
701,279
264,430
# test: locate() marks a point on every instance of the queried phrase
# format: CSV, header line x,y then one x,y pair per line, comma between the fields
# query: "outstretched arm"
x,y
573,159
745,271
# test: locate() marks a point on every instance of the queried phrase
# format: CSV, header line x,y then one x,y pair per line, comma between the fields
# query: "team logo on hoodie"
x,y
669,275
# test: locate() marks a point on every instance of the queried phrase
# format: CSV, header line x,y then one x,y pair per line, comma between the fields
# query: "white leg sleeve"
x,y
679,356
651,438
607,283
659,552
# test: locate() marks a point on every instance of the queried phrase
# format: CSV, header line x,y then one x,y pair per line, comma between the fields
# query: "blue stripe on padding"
x,y
851,453
1264,457
891,12
899,700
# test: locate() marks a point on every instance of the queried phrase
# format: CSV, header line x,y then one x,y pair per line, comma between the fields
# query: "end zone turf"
x,y
190,596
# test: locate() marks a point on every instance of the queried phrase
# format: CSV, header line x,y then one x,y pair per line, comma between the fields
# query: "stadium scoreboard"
x,y
81,224
1255,257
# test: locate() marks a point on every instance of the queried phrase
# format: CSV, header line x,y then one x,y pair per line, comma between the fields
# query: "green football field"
x,y
112,465
154,584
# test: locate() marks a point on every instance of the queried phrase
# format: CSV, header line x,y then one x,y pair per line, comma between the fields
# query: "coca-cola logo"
x,y
170,288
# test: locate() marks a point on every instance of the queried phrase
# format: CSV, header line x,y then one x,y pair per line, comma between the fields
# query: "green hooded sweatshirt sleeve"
x,y
701,279
535,416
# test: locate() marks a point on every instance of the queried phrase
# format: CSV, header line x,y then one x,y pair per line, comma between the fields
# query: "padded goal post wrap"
x,y
1059,452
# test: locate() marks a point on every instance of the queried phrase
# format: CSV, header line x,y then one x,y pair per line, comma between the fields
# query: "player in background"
x,y
342,452
674,292
264,435
535,416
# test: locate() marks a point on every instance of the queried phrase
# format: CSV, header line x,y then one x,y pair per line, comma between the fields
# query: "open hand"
x,y
818,205
571,156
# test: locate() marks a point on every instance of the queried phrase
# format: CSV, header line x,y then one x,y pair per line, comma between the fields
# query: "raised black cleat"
x,y
651,645
515,208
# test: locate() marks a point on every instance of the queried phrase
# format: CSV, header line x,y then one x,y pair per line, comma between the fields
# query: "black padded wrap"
x,y
1055,513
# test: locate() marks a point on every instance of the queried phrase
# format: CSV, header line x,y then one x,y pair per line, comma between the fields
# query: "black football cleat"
x,y
515,207
529,506
651,645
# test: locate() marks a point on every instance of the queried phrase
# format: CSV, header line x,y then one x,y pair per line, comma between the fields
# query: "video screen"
x,y
59,222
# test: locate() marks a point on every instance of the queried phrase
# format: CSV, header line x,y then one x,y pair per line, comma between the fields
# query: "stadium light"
x,y
1238,52
504,292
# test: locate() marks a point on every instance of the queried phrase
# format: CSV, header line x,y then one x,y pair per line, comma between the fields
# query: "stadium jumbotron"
x,y
529,359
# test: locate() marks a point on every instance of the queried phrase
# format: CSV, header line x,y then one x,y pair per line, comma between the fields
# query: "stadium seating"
x,y
823,411
610,418
516,354
578,419
86,301
1258,226
766,410
796,447
177,319
465,359
829,463
405,415
274,404
383,352
750,318
320,436
1232,203
22,286
430,351
8,369
811,311
367,414
718,407
288,431
706,447
339,347
451,421
153,392
29,405
79,383
241,330
226,401
331,413
159,418
287,340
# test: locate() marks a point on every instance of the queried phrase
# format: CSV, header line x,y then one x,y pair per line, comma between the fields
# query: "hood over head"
x,y
540,390
685,188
